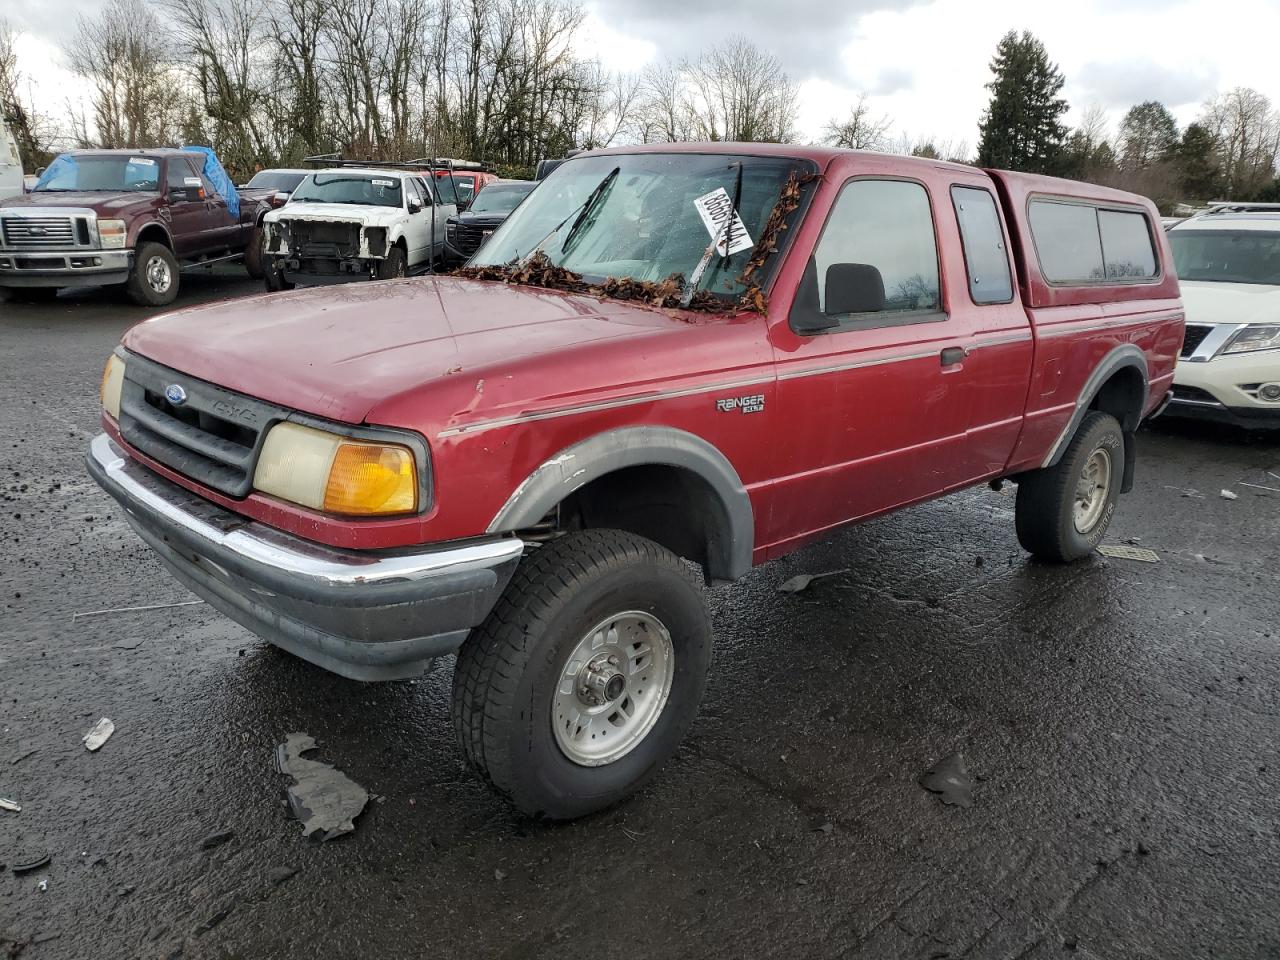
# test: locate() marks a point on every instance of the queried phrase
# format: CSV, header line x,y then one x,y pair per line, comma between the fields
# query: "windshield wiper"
x,y
691,287
582,210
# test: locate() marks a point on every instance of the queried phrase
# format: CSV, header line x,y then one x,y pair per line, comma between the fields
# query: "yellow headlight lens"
x,y
112,384
323,471
371,478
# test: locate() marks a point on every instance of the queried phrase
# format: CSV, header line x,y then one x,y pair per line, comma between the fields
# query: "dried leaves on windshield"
x,y
539,271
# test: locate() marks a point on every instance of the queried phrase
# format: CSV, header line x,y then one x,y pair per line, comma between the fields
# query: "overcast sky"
x,y
922,62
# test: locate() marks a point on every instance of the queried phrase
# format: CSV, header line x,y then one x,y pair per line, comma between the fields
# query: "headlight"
x,y
1256,336
112,382
111,233
325,471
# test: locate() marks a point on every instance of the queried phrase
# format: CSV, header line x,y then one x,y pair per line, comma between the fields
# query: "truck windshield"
x,y
365,190
1227,256
500,197
113,173
645,221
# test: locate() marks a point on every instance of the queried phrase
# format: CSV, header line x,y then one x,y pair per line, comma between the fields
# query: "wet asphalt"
x,y
1119,720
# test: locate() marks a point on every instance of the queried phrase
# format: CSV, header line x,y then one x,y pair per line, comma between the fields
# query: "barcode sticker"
x,y
714,208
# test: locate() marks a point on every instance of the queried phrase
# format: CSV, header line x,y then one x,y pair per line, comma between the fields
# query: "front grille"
x,y
38,233
1193,337
324,238
213,436
468,238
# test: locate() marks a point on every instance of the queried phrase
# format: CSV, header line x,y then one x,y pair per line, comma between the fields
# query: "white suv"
x,y
1228,261
354,223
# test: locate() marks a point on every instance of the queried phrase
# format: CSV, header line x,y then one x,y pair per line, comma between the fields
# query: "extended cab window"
x,y
985,255
1078,243
879,239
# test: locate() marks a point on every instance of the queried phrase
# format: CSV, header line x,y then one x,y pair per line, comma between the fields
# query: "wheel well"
x,y
669,505
1123,396
153,233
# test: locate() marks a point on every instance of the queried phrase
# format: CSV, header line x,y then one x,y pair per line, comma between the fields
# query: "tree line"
x,y
268,82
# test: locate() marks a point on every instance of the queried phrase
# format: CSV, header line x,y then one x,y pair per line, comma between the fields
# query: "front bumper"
x,y
1224,389
307,272
367,615
64,268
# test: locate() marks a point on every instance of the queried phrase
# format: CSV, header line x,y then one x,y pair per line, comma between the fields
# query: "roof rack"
x,y
1239,206
336,160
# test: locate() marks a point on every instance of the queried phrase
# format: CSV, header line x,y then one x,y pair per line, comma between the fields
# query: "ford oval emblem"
x,y
175,394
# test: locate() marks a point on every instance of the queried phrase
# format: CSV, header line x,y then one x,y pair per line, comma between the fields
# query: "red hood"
x,y
104,204
338,352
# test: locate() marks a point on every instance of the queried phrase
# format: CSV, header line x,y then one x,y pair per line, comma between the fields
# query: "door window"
x,y
986,257
880,232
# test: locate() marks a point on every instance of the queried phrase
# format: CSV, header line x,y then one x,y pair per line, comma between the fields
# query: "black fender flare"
x,y
733,540
1125,355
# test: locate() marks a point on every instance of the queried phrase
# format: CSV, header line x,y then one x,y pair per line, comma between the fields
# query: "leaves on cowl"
x,y
788,201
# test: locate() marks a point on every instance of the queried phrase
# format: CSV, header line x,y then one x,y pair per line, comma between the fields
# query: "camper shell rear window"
x,y
1079,243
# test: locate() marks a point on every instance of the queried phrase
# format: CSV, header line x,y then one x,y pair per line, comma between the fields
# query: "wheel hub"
x,y
612,688
1092,488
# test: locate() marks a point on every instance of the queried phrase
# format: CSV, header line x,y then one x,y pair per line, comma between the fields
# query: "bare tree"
x,y
1247,130
861,130
126,54
665,112
31,129
742,93
612,105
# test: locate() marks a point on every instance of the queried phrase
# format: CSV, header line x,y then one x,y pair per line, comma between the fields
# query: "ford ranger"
x,y
669,358
130,218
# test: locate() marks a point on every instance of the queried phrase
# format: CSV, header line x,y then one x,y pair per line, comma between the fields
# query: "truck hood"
x,y
339,352
104,204
1208,302
369,215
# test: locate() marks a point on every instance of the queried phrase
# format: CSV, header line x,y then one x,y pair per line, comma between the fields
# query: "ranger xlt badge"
x,y
752,404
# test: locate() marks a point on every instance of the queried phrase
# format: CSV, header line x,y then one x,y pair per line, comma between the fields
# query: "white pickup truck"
x,y
355,223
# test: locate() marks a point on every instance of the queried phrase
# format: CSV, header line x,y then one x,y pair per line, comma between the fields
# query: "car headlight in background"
x,y
1256,336
112,384
324,471
111,234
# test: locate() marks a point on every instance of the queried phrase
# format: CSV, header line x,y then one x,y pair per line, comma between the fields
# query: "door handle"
x,y
953,355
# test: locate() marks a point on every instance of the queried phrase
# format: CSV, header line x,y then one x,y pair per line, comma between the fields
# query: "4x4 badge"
x,y
752,404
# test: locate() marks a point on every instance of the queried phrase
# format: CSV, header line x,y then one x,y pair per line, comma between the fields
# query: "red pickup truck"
x,y
669,358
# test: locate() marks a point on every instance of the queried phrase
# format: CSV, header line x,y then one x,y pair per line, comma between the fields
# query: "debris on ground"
x,y
1121,552
801,581
43,885
98,734
10,805
278,875
826,827
150,606
326,800
216,839
133,643
23,756
1259,486
499,874
951,781
32,863
1186,491
1228,495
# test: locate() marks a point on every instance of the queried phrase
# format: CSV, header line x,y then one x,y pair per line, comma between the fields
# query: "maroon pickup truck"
x,y
135,218
525,464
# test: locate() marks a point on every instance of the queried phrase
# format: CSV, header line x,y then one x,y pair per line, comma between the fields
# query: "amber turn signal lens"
x,y
112,385
371,478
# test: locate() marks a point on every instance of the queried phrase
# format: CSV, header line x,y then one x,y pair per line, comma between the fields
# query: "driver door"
x,y
188,215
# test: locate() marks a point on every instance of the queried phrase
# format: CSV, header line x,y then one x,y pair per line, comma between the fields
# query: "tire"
x,y
394,266
153,281
273,278
509,692
254,254
1053,521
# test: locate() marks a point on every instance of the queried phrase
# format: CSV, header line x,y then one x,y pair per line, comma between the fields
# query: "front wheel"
x,y
273,277
153,281
1063,511
394,266
586,676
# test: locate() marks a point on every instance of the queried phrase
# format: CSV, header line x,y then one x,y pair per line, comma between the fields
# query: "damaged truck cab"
x,y
669,358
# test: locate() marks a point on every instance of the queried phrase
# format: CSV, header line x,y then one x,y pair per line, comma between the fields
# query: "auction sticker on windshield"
x,y
384,183
714,208
148,162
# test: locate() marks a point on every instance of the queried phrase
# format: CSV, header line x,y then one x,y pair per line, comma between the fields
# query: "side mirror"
x,y
280,198
40,171
415,206
178,195
853,288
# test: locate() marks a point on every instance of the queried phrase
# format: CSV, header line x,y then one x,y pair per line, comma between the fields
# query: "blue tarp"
x,y
218,177
62,166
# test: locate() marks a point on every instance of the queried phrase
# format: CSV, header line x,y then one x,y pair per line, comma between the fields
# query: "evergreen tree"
x,y
1022,128
1199,169
1148,134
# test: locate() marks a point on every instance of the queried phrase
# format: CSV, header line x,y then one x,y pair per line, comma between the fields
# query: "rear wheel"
x,y
586,676
395,265
1063,511
153,281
